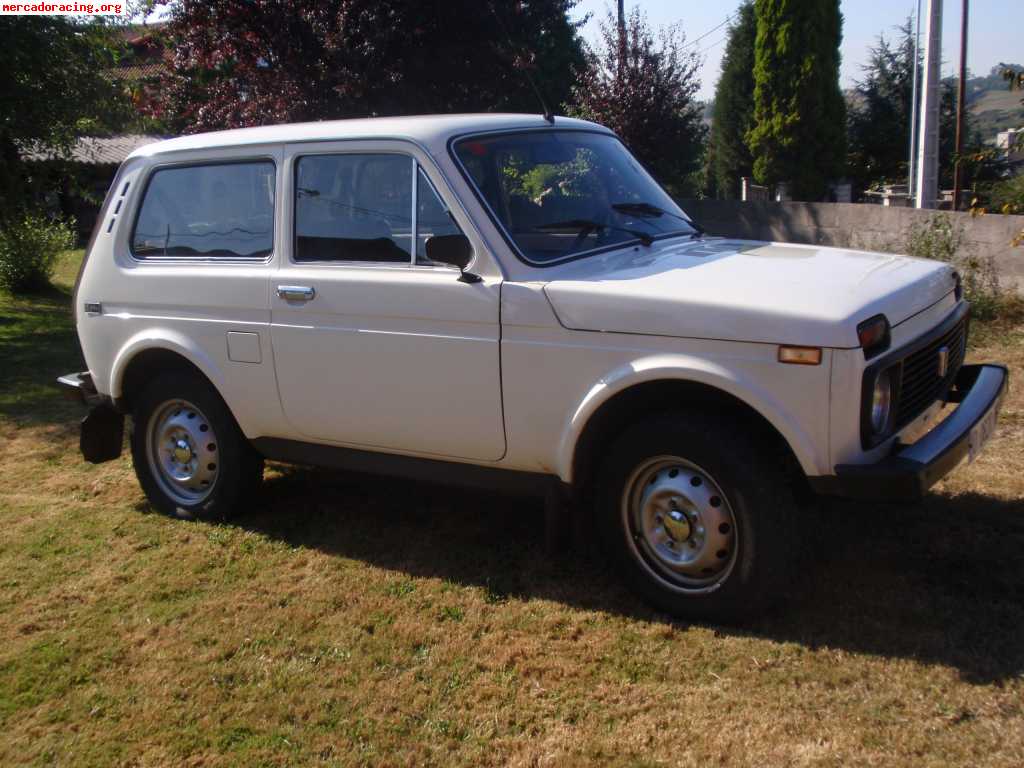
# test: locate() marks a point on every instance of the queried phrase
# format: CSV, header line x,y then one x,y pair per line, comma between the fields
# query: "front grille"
x,y
920,383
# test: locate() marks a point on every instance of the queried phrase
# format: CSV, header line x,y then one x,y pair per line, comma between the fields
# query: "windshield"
x,y
561,194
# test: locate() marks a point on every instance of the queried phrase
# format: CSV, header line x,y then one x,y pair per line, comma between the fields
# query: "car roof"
x,y
429,130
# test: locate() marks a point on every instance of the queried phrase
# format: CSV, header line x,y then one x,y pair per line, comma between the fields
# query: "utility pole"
x,y
961,100
622,41
928,138
911,162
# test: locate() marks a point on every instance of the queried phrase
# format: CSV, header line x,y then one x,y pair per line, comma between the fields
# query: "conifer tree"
x,y
734,109
799,131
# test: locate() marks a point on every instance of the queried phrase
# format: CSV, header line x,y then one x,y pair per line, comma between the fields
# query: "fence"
x,y
868,227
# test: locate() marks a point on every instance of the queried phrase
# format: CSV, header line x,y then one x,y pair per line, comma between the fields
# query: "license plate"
x,y
982,432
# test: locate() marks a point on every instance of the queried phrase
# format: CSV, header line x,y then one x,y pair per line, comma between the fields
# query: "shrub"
x,y
1007,196
29,246
942,238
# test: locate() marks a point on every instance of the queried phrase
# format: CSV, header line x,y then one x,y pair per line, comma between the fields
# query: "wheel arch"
x,y
146,356
640,390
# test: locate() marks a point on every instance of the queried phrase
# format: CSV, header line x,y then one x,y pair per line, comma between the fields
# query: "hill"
x,y
992,105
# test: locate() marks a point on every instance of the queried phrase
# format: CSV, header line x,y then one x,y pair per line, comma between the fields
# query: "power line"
x,y
708,48
716,27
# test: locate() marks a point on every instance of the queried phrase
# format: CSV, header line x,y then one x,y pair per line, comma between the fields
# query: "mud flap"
x,y
102,434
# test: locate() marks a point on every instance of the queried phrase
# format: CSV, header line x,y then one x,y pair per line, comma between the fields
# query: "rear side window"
x,y
207,211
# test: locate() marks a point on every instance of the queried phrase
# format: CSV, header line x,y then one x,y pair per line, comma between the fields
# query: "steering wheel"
x,y
603,218
602,232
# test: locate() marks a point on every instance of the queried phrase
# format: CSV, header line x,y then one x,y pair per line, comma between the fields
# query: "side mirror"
x,y
455,250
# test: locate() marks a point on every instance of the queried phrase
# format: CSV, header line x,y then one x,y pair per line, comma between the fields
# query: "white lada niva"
x,y
505,301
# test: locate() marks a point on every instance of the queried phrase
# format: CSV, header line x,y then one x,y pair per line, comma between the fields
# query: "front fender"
x,y
685,368
167,339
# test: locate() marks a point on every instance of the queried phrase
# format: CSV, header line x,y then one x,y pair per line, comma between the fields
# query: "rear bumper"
x,y
79,387
908,473
102,430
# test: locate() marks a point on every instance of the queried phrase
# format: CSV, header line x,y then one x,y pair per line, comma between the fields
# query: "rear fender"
x,y
169,340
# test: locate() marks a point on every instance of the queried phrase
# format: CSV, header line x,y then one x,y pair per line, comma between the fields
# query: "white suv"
x,y
499,300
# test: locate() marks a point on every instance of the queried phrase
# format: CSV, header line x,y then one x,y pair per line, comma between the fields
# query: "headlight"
x,y
881,403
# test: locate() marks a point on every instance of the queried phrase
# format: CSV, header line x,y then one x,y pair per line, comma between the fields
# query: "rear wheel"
x,y
699,516
191,458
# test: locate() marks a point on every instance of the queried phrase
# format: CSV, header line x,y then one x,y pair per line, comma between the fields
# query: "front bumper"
x,y
911,470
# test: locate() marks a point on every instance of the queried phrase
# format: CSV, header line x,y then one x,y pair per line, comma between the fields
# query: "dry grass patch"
x,y
347,621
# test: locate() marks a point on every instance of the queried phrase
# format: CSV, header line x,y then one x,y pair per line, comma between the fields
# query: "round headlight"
x,y
881,403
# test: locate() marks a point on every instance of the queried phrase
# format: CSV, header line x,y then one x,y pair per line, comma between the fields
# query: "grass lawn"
x,y
350,621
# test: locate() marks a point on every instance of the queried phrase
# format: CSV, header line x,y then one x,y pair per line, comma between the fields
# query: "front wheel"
x,y
698,516
191,458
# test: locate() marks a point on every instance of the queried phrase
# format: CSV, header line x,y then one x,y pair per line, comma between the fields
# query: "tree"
x,y
1012,74
878,118
53,90
240,63
799,132
649,100
733,114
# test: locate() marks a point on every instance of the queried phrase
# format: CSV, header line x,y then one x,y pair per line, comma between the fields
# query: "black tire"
x,y
757,484
239,468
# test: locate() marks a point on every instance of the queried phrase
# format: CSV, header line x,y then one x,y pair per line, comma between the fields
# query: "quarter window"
x,y
432,217
207,211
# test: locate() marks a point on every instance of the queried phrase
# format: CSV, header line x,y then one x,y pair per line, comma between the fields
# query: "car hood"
x,y
744,291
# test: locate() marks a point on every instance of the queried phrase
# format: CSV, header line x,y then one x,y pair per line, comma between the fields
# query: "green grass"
x,y
350,621
37,344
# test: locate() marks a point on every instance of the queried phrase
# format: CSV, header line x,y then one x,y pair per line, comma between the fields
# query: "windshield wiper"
x,y
586,226
647,209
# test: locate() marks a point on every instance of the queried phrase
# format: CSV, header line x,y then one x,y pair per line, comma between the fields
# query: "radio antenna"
x,y
548,114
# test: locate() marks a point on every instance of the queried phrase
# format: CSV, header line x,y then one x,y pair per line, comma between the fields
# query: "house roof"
x,y
147,57
134,72
97,150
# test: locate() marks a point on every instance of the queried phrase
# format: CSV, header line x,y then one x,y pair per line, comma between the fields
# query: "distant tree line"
x,y
778,114
868,147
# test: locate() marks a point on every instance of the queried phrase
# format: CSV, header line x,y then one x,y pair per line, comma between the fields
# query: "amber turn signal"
x,y
873,333
800,355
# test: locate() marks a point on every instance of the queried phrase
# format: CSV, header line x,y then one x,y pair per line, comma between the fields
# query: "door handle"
x,y
296,292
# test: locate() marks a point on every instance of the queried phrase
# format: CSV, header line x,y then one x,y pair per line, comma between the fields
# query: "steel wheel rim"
x,y
182,451
679,525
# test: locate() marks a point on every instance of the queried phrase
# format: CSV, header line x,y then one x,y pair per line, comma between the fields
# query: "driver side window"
x,y
353,207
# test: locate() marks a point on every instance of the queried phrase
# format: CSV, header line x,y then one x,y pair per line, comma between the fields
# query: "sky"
x,y
993,34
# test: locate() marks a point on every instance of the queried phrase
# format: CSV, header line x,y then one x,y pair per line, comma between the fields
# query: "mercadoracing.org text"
x,y
39,8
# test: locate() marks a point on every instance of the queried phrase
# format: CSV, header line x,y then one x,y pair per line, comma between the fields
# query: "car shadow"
x,y
941,582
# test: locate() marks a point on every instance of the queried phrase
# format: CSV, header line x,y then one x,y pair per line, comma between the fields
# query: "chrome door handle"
x,y
296,292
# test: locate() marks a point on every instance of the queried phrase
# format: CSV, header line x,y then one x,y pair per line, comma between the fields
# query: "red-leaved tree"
x,y
256,62
650,101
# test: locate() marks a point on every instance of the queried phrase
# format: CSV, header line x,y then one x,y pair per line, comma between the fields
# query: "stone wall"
x,y
869,227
